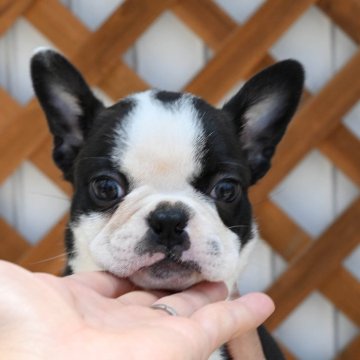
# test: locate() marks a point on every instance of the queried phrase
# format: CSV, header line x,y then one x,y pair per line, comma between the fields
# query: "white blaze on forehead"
x,y
159,144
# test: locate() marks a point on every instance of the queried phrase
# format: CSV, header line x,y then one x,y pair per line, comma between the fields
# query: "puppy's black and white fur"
x,y
161,178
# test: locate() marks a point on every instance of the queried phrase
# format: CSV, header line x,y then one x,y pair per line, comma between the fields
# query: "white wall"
x,y
167,56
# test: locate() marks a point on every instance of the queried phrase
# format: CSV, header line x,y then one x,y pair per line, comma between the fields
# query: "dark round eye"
x,y
106,191
226,190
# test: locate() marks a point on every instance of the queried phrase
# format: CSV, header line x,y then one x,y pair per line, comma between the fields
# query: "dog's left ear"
x,y
262,109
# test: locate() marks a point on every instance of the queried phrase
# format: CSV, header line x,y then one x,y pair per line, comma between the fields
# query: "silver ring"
x,y
168,309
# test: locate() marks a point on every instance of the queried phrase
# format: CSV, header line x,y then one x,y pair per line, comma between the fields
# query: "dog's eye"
x,y
226,190
106,191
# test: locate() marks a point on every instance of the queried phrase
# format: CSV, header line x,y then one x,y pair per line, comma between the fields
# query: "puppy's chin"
x,y
167,275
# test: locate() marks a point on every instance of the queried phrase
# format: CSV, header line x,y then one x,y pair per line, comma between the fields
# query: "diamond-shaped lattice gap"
x,y
306,194
352,120
168,53
345,192
7,198
4,71
309,41
40,203
315,193
344,47
310,331
101,95
280,265
93,12
21,40
346,331
352,262
129,57
240,10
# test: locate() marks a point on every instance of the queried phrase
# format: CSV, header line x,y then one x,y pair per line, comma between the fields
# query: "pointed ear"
x,y
262,109
68,103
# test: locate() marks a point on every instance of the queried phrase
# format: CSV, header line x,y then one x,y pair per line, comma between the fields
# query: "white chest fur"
x,y
216,355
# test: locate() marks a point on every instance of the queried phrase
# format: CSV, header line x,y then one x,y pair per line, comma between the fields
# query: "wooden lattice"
x,y
239,52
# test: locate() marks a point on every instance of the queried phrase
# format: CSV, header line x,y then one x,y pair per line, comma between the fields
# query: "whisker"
x,y
238,226
63,255
50,196
93,157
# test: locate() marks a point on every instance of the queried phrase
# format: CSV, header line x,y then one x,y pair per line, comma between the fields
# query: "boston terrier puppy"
x,y
161,178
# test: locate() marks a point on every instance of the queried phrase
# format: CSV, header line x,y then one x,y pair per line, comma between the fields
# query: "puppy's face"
x,y
156,192
161,179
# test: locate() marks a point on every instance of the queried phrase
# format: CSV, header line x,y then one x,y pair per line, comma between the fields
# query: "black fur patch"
x,y
223,157
94,158
168,97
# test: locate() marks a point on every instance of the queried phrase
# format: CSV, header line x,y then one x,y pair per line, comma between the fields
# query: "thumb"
x,y
225,320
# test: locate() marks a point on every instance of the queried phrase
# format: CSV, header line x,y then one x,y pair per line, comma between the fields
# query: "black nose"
x,y
168,222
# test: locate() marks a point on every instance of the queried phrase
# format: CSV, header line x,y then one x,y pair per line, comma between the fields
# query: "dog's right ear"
x,y
68,103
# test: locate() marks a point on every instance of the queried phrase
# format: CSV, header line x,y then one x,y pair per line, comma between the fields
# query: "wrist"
x,y
246,347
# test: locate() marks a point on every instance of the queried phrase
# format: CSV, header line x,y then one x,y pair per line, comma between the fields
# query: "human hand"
x,y
96,315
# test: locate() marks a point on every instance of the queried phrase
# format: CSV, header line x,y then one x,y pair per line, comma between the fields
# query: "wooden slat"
x,y
317,119
315,264
9,107
343,149
245,48
12,244
344,291
116,35
122,81
10,10
351,352
198,15
340,287
346,14
20,138
48,255
207,20
58,24
288,242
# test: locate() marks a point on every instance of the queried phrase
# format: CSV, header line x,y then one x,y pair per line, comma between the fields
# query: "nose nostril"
x,y
179,228
157,228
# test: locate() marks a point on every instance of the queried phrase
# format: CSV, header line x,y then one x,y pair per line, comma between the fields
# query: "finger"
x,y
226,320
140,297
103,283
190,300
7,268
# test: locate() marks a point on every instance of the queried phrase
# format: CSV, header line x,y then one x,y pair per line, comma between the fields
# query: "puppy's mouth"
x,y
169,267
168,274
